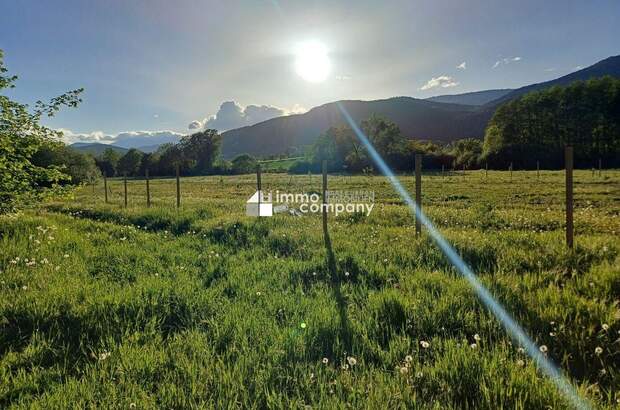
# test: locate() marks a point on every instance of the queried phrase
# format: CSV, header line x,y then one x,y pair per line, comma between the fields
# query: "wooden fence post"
x,y
125,185
568,163
537,169
324,207
510,171
600,167
418,192
258,187
463,169
442,170
178,188
148,188
105,187
486,170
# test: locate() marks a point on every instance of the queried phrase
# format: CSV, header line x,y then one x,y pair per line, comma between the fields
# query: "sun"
x,y
312,62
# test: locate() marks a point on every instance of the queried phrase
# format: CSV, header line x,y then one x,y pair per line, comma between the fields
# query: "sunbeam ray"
x,y
512,327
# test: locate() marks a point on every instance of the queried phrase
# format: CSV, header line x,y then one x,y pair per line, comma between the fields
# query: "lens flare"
x,y
511,326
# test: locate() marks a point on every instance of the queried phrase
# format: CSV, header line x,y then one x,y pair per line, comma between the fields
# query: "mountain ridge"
x,y
96,148
417,118
472,98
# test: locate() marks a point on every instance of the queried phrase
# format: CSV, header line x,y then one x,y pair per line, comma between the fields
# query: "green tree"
x,y
171,155
384,135
203,148
129,164
108,162
466,152
243,164
78,166
21,135
149,161
537,126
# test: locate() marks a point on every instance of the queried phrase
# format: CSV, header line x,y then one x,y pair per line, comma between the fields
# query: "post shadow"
x,y
336,283
335,279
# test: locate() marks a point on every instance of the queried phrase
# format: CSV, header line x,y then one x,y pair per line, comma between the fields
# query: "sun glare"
x,y
312,62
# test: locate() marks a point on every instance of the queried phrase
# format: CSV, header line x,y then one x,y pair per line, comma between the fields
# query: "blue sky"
x,y
161,65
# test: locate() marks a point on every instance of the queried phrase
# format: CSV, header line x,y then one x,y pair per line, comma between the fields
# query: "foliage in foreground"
x,y
21,136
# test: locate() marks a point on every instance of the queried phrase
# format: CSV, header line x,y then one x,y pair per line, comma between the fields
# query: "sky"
x,y
155,67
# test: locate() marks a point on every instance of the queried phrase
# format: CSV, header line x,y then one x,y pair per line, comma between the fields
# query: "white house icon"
x,y
259,205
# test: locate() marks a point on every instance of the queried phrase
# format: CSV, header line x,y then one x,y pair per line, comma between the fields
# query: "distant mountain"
x,y
416,118
149,148
96,148
134,139
609,66
428,119
473,98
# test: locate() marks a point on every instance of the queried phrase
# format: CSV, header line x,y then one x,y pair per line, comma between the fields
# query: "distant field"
x,y
278,165
102,306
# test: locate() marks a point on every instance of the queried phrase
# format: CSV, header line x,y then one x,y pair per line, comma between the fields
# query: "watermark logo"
x,y
338,202
259,204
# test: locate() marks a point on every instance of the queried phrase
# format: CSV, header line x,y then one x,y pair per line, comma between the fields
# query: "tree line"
x,y
195,154
584,114
532,129
344,152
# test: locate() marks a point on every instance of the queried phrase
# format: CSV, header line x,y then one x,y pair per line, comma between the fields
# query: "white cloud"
x,y
194,125
462,66
127,139
232,115
442,81
506,60
296,109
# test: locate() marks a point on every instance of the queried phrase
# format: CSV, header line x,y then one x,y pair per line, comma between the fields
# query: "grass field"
x,y
102,306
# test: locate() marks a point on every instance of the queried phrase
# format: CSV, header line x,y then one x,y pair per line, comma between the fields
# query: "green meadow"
x,y
205,307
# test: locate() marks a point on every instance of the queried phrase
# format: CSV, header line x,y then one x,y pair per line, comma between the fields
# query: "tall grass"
x,y
103,306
